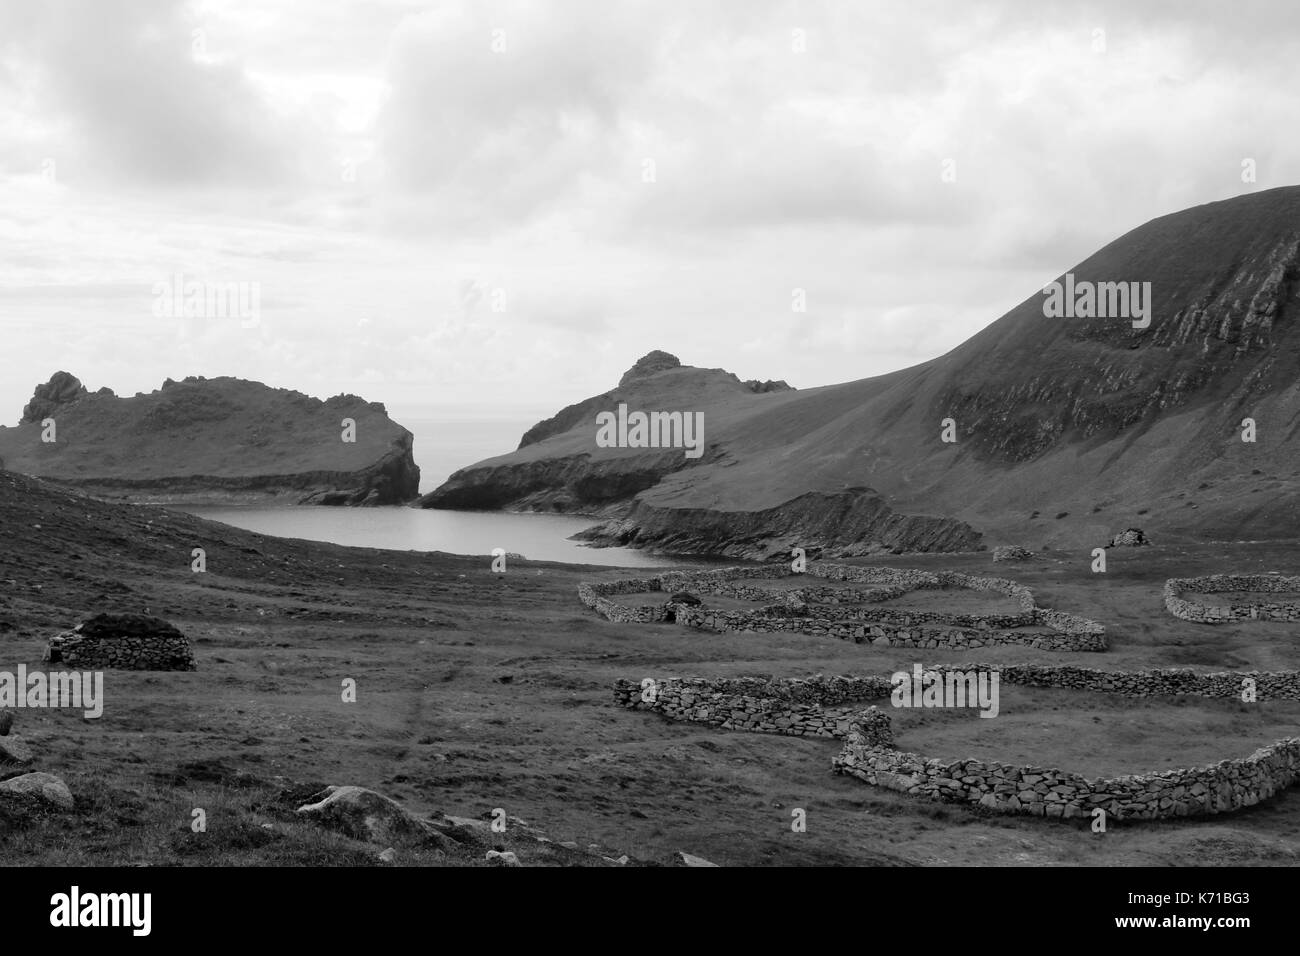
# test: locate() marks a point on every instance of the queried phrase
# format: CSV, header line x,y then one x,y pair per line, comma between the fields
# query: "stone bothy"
x,y
122,642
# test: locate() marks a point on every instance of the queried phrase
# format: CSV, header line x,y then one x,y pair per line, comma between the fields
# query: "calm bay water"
x,y
536,536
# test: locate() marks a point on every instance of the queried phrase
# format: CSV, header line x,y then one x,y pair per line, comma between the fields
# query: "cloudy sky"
x,y
493,208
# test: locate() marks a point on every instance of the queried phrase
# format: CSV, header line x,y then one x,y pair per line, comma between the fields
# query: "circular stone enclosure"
x,y
854,614
1262,610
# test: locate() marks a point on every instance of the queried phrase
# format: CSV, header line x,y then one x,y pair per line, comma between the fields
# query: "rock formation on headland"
x,y
221,440
1065,427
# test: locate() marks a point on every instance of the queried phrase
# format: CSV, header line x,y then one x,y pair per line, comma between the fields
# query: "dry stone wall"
x,y
800,610
795,708
1160,682
814,708
1198,791
1188,610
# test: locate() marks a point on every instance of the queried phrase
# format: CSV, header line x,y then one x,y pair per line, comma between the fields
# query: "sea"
x,y
441,447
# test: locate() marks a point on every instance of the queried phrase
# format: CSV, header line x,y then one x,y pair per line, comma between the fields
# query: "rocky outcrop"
x,y
61,390
847,524
364,815
649,364
576,484
124,642
214,441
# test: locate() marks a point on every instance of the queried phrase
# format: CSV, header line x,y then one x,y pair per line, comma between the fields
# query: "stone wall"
x,y
1197,791
789,610
1187,610
809,708
1160,682
795,708
886,635
595,597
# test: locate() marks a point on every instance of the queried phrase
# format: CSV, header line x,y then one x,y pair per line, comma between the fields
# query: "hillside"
x,y
1068,429
481,690
214,441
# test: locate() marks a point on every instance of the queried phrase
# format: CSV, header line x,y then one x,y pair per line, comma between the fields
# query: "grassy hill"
x,y
1068,429
213,439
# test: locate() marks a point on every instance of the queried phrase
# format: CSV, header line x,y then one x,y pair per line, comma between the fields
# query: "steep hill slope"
x,y
212,440
1067,428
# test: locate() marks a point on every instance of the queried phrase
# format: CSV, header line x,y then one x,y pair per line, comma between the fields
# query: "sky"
x,y
489,210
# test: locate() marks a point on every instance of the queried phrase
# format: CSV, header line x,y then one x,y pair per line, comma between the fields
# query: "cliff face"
x,y
220,440
851,523
1067,429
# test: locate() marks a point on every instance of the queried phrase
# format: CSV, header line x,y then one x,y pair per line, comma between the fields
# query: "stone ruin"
x,y
123,642
820,611
1129,538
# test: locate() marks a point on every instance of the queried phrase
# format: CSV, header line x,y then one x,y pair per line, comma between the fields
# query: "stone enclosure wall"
x,y
789,609
1197,791
813,708
792,707
1181,607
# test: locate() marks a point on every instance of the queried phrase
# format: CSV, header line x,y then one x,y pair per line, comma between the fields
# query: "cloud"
x,y
136,98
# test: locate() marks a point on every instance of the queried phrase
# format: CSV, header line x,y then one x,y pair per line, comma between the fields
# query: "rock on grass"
x,y
44,785
365,815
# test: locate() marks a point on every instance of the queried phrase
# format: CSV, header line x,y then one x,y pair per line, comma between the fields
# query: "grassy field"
x,y
478,690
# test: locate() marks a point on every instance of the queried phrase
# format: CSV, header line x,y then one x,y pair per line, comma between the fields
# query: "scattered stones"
x,y
44,785
122,641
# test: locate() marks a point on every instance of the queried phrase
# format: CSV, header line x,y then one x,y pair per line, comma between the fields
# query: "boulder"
x,y
364,815
14,750
6,722
685,859
46,786
502,858
683,597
